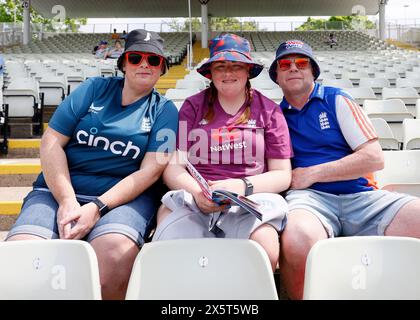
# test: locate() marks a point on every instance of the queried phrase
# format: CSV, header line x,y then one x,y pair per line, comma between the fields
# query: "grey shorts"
x,y
134,219
186,221
356,214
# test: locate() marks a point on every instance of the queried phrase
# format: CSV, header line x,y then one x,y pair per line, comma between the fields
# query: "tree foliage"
x,y
216,23
355,22
11,10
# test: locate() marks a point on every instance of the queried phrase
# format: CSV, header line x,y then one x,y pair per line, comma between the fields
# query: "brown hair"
x,y
212,98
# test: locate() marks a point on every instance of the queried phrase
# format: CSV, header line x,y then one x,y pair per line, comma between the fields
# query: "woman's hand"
x,y
205,205
85,217
65,215
232,185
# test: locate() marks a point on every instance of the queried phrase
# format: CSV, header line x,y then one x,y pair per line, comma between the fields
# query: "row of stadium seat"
x,y
360,268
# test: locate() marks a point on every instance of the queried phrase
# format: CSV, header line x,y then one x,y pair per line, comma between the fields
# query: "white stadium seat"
x,y
186,84
393,111
401,172
411,133
360,94
264,84
202,269
180,94
48,270
339,83
408,95
375,83
363,268
384,132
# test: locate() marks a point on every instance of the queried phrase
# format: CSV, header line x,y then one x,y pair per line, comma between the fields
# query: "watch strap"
x,y
103,208
249,187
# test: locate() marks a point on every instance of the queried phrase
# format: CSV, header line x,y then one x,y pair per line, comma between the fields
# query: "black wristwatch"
x,y
249,187
103,208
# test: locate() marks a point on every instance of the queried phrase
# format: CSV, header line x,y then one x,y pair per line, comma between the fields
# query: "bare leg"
x,y
116,254
268,238
303,230
162,213
19,237
406,223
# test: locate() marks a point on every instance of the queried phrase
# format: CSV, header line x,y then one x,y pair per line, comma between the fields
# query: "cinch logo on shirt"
x,y
116,147
323,121
203,122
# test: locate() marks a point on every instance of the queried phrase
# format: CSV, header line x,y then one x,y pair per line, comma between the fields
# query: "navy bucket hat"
x,y
143,41
230,47
293,47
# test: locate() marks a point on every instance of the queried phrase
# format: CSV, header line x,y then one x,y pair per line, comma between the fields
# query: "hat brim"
x,y
234,56
273,68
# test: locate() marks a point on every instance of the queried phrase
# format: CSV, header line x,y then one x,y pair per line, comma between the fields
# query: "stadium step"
x,y
23,148
199,53
11,199
19,172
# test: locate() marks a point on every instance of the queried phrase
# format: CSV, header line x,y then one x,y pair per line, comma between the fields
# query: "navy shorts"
x,y
134,219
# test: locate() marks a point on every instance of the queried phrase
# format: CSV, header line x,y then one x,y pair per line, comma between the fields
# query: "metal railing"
x,y
12,33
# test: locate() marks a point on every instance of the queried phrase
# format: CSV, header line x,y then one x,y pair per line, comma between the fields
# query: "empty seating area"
x,y
83,43
347,40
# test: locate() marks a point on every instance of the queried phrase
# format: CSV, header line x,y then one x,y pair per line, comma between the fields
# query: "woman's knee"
x,y
19,237
115,250
162,213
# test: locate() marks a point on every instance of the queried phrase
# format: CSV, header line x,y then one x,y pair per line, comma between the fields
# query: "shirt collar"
x,y
317,93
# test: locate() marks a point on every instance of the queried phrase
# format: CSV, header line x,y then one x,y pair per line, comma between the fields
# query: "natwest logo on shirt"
x,y
116,147
225,133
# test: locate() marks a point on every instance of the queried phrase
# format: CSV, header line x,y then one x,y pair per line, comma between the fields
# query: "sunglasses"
x,y
136,58
300,63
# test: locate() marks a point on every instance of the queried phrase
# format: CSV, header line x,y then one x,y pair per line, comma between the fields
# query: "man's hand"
x,y
303,178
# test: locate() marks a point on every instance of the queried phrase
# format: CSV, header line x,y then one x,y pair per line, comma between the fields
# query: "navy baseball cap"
x,y
293,47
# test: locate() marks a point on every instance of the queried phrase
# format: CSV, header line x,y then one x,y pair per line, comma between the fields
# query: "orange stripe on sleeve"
x,y
365,130
367,123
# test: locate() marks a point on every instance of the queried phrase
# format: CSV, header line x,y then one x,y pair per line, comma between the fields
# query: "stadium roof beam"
x,y
216,8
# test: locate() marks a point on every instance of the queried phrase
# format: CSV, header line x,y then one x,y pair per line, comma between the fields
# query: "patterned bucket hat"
x,y
230,47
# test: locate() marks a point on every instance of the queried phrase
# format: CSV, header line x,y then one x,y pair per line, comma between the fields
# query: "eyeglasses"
x,y
136,58
300,63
